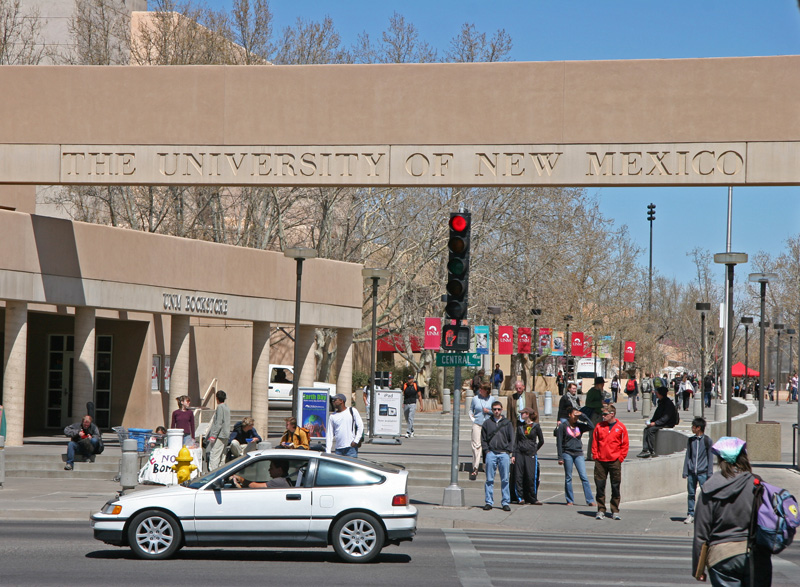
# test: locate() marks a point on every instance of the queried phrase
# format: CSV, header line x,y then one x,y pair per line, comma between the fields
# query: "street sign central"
x,y
458,360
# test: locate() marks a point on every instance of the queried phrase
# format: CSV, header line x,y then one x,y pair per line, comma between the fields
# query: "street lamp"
x,y
596,323
763,279
378,277
790,332
299,254
535,312
495,311
730,260
568,346
778,327
747,321
703,307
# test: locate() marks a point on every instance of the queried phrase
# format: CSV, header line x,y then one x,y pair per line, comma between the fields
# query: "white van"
x,y
280,386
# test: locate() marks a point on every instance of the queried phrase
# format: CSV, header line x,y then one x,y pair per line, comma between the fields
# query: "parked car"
x,y
280,386
356,506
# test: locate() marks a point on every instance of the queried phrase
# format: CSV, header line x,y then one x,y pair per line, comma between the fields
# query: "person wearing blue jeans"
x,y
569,448
85,438
698,464
497,442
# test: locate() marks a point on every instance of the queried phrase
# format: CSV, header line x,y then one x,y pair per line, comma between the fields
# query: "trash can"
x,y
548,403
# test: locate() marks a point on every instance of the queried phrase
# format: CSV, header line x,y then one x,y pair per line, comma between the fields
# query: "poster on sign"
x,y
314,411
558,344
576,349
387,412
155,373
167,373
630,352
158,468
433,334
482,340
545,341
587,347
604,348
524,341
505,340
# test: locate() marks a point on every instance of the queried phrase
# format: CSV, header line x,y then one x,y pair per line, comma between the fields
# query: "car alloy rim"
x,y
154,535
358,537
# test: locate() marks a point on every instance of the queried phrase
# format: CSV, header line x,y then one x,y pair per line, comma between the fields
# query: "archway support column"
x,y
84,366
14,366
259,389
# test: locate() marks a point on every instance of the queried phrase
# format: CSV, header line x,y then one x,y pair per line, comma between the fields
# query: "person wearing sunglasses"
x,y
610,447
497,442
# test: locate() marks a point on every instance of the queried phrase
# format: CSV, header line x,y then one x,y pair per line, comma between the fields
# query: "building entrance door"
x,y
60,362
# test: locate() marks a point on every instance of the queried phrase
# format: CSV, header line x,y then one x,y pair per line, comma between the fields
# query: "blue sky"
x,y
555,30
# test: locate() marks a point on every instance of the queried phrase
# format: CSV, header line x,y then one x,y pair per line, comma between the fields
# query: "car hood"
x,y
148,494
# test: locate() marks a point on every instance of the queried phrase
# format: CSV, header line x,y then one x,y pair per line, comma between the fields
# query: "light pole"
x,y
596,323
730,260
703,307
763,279
568,346
651,216
535,312
619,334
377,277
299,254
747,321
495,312
790,332
712,333
778,327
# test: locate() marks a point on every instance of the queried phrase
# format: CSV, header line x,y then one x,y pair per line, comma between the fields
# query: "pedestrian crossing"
x,y
506,558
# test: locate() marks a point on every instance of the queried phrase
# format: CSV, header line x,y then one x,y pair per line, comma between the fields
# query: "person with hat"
x,y
723,517
526,463
345,426
593,408
411,394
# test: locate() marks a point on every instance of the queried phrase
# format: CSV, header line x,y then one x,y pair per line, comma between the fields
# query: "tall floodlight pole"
x,y
596,323
702,307
299,254
747,321
377,277
495,312
762,279
619,334
535,312
730,260
651,216
567,345
778,327
790,332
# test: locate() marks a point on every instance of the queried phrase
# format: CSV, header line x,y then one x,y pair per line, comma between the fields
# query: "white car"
x,y
320,499
280,386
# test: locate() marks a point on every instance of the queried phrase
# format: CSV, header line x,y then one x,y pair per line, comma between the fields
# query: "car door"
x,y
227,515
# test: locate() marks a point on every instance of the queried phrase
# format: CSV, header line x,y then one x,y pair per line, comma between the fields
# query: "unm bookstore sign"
x,y
643,164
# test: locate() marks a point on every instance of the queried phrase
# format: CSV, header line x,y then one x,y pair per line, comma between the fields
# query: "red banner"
x,y
587,347
524,341
576,348
505,340
545,340
630,352
433,333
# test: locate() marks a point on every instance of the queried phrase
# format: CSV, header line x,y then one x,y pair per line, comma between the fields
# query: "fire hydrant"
x,y
183,466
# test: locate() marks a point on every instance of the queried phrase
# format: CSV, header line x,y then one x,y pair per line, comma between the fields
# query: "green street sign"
x,y
458,360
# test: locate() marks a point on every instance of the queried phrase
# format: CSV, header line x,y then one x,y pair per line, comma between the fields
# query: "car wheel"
x,y
357,538
154,535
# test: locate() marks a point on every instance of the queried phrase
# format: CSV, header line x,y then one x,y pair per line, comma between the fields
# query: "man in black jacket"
x,y
665,416
497,441
84,438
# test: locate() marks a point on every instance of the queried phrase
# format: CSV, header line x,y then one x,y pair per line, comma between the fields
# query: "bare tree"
x,y
310,42
21,41
400,43
100,31
471,46
252,29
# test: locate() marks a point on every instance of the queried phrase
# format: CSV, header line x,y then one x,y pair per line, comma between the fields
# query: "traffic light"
x,y
458,266
651,212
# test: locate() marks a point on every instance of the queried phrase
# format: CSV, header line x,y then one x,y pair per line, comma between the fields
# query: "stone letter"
x,y
732,156
420,169
597,167
441,162
373,163
162,163
658,162
307,164
488,163
194,162
543,162
262,164
697,163
72,163
286,164
630,163
231,157
513,162
128,163
348,159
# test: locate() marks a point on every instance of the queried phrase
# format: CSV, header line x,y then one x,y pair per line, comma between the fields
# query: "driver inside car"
x,y
278,471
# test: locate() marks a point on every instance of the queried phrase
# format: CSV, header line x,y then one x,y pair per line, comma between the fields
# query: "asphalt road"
x,y
65,553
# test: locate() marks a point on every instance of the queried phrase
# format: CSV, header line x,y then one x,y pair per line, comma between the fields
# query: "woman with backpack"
x,y
723,520
632,391
686,391
614,388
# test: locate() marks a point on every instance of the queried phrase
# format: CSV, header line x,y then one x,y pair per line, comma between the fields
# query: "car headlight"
x,y
112,508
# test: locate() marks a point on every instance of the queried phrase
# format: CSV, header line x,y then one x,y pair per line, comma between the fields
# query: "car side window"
x,y
330,474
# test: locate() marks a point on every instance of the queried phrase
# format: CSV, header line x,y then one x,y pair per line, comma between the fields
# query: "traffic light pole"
x,y
651,215
453,494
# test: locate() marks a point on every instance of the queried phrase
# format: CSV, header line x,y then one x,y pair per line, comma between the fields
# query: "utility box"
x,y
764,442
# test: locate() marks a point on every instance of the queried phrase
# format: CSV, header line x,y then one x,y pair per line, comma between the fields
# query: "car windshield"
x,y
199,482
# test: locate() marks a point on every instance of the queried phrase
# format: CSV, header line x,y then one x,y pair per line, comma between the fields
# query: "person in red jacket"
x,y
609,447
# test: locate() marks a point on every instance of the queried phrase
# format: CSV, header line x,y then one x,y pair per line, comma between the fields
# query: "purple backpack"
x,y
778,516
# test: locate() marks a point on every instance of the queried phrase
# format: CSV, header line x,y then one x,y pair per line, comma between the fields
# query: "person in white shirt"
x,y
345,426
